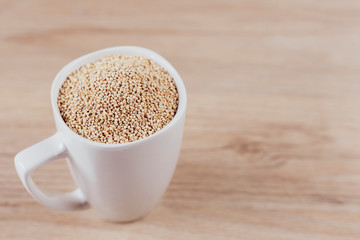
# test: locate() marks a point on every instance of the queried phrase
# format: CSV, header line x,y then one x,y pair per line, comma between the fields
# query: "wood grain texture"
x,y
272,140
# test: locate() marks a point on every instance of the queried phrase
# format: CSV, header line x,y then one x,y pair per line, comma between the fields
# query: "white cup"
x,y
122,182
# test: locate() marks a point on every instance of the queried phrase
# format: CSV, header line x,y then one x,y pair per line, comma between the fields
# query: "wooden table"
x,y
272,139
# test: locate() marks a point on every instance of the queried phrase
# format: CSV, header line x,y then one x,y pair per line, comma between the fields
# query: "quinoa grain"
x,y
118,99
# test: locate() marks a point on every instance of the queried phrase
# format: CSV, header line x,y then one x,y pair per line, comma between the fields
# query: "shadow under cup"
x,y
121,182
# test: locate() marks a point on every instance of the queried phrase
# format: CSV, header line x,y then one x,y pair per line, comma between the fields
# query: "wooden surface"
x,y
272,140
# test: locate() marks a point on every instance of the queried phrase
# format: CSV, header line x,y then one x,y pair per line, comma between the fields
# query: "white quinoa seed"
x,y
118,99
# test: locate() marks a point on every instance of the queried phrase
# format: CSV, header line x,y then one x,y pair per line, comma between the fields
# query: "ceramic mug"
x,y
121,182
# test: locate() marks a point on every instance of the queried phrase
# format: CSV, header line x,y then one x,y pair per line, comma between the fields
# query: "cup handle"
x,y
37,155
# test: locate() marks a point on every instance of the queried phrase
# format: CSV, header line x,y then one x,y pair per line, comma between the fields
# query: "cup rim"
x,y
97,55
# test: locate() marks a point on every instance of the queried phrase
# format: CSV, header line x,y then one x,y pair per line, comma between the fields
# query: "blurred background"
x,y
271,147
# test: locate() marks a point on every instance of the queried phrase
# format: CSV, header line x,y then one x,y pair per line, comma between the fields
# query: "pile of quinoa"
x,y
118,99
